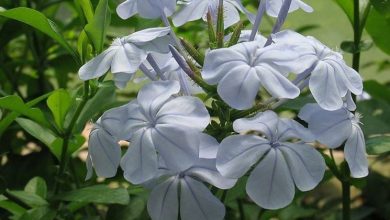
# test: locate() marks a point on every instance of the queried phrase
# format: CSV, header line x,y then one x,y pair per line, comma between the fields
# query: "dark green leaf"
x,y
349,46
97,28
382,6
37,185
29,198
100,102
59,103
295,211
36,130
376,116
97,194
74,144
39,21
41,213
132,211
378,145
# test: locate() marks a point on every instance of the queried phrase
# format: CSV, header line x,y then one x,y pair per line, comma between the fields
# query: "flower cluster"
x,y
168,129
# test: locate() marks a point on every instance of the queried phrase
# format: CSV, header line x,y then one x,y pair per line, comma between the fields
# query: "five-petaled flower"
x,y
282,165
151,9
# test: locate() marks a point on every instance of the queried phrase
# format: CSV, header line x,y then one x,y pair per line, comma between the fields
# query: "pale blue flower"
x,y
181,187
195,9
333,128
126,54
241,70
157,122
280,164
330,77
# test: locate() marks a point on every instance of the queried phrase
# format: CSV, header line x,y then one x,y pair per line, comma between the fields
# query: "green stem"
x,y
357,35
68,133
346,188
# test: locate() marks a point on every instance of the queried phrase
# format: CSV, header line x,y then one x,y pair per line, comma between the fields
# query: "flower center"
x,y
275,144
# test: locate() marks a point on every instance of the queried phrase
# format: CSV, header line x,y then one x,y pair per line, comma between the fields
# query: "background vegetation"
x,y
43,129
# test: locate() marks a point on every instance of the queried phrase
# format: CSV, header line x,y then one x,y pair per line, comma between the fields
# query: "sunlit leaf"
x,y
59,103
378,145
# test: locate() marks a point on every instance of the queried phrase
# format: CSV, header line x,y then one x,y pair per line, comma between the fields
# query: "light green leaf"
x,y
41,213
40,22
15,103
97,28
36,130
378,27
29,198
6,121
59,103
86,8
97,194
37,185
378,145
12,207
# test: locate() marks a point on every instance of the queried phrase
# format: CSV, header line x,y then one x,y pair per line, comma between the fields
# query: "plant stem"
x,y
346,188
68,133
357,35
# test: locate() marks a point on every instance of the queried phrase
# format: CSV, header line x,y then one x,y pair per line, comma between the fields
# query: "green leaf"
x,y
40,22
295,211
347,7
36,130
74,144
37,185
377,90
5,122
15,103
378,27
41,213
132,211
12,207
95,105
97,194
376,115
86,8
29,198
378,145
382,6
59,103
349,46
97,28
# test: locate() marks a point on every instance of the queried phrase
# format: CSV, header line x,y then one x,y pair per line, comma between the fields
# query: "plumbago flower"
x,y
273,7
283,164
126,54
157,122
241,70
333,128
146,8
181,186
330,77
195,9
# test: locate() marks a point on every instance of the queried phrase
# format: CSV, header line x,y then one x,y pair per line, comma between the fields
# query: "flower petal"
x,y
190,11
331,128
98,66
127,9
135,120
288,129
231,15
270,184
237,153
127,59
277,84
140,161
179,148
355,153
323,86
205,170
208,147
197,202
147,35
185,111
264,122
307,166
239,89
163,201
104,151
112,122
220,62
153,95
